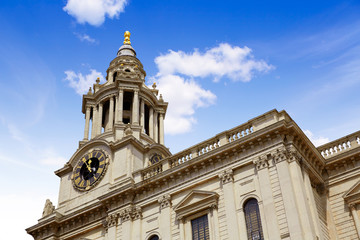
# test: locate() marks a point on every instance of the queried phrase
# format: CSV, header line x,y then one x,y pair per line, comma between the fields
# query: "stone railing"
x,y
341,145
205,147
152,171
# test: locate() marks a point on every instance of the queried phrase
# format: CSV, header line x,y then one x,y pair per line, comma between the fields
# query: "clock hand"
x,y
87,166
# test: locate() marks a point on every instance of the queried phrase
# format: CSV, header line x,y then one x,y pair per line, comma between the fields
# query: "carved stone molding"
x,y
164,201
261,162
226,176
131,213
288,155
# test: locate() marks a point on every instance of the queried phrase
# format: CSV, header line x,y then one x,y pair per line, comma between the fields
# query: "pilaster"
x,y
94,122
111,114
165,216
261,164
151,122
161,126
100,113
288,194
87,123
356,218
135,108
120,106
226,179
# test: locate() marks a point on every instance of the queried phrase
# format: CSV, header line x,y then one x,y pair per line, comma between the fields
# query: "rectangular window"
x,y
200,228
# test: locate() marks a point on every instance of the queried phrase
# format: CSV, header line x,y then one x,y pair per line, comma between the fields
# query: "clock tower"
x,y
124,132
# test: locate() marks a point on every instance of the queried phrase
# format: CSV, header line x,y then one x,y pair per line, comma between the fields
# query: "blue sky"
x,y
218,63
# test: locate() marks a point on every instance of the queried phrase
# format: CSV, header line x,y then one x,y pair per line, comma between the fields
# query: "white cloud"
x,y
176,82
94,11
235,63
82,83
85,37
183,95
317,141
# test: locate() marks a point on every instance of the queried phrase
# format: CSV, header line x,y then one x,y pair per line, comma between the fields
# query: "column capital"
x,y
164,201
111,220
289,155
226,176
261,162
352,206
130,213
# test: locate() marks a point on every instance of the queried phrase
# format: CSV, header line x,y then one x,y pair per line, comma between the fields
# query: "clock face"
x,y
89,170
155,158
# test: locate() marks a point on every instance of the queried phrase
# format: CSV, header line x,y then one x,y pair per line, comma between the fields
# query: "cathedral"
x,y
263,179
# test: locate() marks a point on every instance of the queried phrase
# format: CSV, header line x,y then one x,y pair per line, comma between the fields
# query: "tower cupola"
x,y
124,105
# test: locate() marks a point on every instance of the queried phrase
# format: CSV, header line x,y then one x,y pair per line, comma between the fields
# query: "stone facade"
x,y
123,183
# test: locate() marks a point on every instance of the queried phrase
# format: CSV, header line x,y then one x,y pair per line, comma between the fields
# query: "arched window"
x,y
154,237
253,221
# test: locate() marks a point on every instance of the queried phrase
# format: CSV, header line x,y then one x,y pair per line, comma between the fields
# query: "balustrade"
x,y
341,145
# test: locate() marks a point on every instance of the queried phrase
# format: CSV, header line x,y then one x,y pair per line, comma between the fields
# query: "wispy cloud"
x,y
316,140
94,12
178,72
84,37
81,83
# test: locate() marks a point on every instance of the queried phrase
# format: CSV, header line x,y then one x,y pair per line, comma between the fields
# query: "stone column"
x,y
126,223
116,107
142,115
151,122
100,113
242,224
226,179
136,228
87,123
120,106
161,127
94,122
165,216
355,217
111,114
300,196
270,220
156,129
312,203
288,195
135,108
111,223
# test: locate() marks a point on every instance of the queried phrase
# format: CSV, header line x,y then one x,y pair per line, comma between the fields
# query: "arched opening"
x,y
114,76
253,220
154,237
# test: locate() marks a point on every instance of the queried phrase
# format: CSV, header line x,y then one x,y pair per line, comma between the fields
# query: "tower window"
x,y
200,228
154,237
114,76
253,221
127,70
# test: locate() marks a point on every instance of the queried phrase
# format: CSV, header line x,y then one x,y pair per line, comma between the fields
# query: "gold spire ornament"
x,y
127,38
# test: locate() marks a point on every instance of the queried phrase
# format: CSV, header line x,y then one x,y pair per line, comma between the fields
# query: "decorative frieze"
x,y
164,201
226,176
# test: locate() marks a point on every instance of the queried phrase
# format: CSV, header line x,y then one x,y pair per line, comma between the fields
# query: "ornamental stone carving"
x,y
164,201
131,213
261,162
289,155
49,208
226,176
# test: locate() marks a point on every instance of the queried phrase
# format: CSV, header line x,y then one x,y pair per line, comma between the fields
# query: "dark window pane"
x,y
200,228
253,221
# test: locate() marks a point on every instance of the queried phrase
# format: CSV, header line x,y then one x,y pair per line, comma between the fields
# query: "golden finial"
x,y
98,80
154,85
127,38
